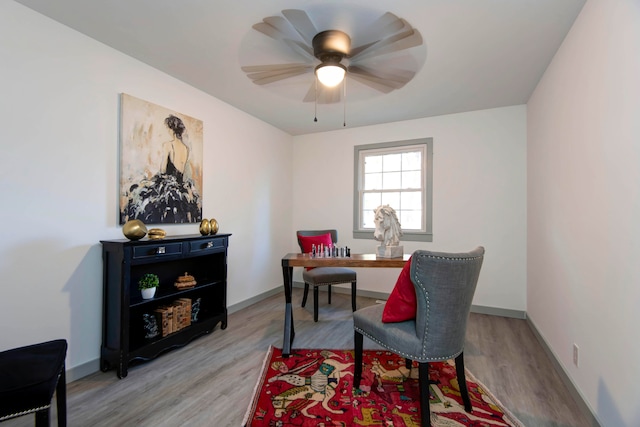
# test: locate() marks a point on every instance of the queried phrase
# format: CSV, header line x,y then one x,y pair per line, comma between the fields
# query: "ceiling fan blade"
x,y
375,84
271,67
268,30
396,77
263,74
383,81
302,23
354,52
384,27
301,49
271,74
283,26
275,78
325,95
388,24
397,42
279,29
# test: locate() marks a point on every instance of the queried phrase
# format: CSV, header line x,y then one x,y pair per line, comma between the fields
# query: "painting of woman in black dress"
x,y
161,168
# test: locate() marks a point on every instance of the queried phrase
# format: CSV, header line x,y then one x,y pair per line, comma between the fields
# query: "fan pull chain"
x,y
315,102
344,95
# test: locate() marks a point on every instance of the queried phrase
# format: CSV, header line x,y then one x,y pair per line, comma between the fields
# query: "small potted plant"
x,y
148,284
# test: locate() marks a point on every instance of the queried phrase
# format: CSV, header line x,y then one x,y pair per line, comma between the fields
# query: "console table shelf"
x,y
124,337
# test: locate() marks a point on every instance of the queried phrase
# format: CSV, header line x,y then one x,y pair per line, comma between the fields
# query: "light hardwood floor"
x,y
210,381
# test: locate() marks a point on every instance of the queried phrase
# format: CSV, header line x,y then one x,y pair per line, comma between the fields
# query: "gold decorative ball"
x,y
205,227
134,229
214,225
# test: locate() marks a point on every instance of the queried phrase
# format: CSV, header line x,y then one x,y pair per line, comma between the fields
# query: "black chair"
x,y
444,284
29,376
325,276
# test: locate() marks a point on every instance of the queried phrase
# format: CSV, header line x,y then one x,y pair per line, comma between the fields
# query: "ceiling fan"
x,y
329,54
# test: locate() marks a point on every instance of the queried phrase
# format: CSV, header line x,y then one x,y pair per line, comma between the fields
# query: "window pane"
x,y
368,219
372,164
411,200
392,162
391,181
371,201
411,179
410,220
373,181
391,199
412,160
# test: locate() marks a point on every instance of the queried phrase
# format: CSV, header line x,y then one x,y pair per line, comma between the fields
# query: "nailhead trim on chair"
x,y
424,341
19,414
402,353
451,258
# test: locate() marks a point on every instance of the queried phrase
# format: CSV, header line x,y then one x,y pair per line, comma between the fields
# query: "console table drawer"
x,y
159,250
213,244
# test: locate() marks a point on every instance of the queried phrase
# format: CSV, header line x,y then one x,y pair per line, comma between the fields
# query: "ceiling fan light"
x,y
330,75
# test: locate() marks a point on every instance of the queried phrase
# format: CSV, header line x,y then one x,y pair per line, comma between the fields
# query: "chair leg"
x,y
304,296
423,381
329,296
357,366
315,303
42,417
353,296
462,383
61,398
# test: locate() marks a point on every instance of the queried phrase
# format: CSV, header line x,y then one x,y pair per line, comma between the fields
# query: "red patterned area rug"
x,y
315,388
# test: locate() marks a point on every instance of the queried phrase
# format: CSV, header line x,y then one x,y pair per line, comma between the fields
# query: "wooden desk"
x,y
305,260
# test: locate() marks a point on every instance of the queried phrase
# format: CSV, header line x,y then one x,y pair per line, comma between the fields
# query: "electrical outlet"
x,y
576,349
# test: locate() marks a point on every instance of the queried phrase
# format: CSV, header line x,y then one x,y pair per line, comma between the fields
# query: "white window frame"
x,y
360,151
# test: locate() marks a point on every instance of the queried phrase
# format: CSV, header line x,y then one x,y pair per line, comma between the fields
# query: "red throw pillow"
x,y
308,241
401,304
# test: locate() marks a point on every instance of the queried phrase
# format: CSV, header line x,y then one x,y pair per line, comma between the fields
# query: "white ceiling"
x,y
477,54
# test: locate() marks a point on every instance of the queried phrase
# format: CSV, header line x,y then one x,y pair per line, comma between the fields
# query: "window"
x,y
398,174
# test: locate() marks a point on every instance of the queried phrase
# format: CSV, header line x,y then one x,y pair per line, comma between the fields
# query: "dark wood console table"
x,y
125,261
305,260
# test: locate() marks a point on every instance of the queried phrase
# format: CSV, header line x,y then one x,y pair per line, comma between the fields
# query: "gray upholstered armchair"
x,y
444,285
325,276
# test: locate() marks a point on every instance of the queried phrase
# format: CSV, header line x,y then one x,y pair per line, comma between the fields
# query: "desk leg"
x,y
289,331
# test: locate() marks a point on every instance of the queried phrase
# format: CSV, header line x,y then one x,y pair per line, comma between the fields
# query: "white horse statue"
x,y
388,231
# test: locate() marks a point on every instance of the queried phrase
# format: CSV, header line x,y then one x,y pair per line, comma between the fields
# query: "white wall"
x,y
478,194
59,174
584,207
